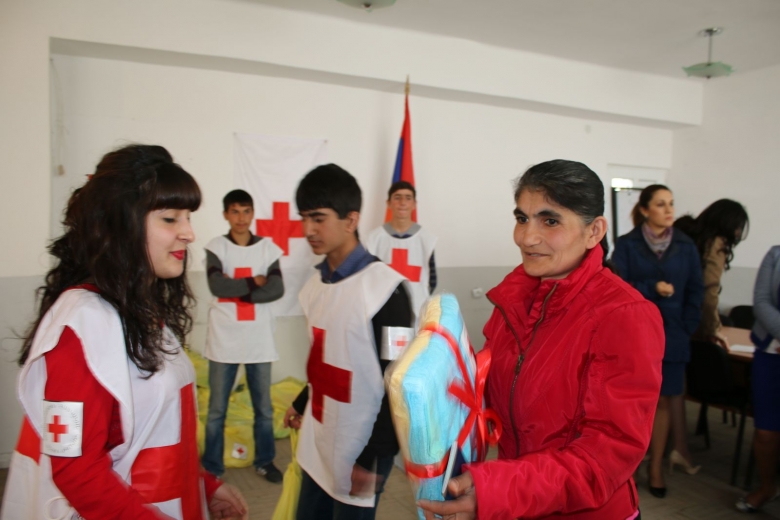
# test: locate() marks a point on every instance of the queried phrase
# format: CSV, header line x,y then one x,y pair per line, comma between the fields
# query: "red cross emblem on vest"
x,y
400,263
245,311
57,429
170,472
280,228
325,380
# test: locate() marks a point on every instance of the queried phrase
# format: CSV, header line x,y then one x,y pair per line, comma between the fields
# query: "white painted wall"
x,y
465,154
735,154
248,32
480,116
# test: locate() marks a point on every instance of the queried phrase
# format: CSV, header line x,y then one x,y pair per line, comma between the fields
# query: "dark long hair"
x,y
569,184
723,218
644,202
105,244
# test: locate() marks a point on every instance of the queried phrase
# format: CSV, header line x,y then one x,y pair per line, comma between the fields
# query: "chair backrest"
x,y
742,316
710,377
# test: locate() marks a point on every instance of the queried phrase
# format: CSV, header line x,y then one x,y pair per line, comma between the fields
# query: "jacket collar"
x,y
644,249
521,298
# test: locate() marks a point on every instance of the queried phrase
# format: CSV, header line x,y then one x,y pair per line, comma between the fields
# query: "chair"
x,y
711,381
742,316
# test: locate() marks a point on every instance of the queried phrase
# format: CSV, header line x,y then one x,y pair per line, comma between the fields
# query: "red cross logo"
x,y
400,342
57,429
244,311
281,229
240,450
169,472
326,380
400,263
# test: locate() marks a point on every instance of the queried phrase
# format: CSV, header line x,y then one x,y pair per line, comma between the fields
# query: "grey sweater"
x,y
766,300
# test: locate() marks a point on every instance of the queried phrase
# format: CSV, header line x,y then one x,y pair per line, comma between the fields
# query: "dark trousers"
x,y
315,504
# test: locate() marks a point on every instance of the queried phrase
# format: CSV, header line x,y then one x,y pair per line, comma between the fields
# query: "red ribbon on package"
x,y
471,397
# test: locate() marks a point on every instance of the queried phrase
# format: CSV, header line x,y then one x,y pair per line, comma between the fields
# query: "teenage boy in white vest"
x,y
405,245
244,277
358,316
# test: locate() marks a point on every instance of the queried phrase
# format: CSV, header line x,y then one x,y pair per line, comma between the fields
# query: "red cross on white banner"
x,y
400,263
245,311
170,472
57,429
326,380
280,228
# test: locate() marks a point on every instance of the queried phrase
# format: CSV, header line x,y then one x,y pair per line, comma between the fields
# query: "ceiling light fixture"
x,y
368,5
709,69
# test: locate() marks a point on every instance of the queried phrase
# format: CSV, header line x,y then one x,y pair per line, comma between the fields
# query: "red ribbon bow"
x,y
472,398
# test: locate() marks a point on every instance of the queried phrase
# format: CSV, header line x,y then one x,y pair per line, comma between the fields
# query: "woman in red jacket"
x,y
576,366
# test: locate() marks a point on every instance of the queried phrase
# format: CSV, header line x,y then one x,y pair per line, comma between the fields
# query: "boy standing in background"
x,y
244,277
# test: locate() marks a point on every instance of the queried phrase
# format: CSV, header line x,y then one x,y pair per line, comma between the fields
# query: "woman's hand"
x,y
720,340
228,502
664,289
462,508
260,280
292,419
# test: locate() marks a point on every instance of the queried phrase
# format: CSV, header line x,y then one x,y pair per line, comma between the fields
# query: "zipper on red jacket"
x,y
520,359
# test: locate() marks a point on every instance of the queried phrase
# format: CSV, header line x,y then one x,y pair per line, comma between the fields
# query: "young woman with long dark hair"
x,y
716,231
107,390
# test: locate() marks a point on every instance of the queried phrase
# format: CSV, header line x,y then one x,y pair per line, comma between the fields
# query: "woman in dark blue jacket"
x,y
663,264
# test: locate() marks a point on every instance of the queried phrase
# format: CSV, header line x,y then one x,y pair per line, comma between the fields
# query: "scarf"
x,y
657,243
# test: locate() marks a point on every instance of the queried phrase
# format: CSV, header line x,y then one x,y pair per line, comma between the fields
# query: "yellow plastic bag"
x,y
239,436
287,506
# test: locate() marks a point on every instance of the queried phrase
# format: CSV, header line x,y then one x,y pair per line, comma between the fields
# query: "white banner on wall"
x,y
269,168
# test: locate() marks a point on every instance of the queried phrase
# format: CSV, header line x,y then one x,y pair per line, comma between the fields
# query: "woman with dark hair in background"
x,y
107,390
716,232
662,263
766,382
576,366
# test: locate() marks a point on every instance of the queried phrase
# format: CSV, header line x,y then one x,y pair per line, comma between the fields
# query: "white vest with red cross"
x,y
242,332
345,379
409,256
159,455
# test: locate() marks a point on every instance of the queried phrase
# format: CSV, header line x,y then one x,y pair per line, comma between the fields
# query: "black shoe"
x,y
270,472
658,492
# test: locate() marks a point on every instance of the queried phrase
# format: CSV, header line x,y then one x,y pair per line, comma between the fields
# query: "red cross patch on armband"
x,y
62,428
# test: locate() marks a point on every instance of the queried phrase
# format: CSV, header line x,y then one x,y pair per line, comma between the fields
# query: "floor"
x,y
706,495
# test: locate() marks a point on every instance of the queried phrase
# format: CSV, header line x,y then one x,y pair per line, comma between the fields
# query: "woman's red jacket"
x,y
575,380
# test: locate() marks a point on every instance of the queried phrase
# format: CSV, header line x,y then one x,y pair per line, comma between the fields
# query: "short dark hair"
x,y
645,197
570,184
329,186
401,185
239,197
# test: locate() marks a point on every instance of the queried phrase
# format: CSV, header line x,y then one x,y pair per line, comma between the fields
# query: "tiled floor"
x,y
706,495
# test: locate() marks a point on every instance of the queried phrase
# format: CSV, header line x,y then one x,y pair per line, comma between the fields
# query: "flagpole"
x,y
406,89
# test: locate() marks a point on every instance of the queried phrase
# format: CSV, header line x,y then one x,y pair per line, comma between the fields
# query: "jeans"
x,y
221,378
315,504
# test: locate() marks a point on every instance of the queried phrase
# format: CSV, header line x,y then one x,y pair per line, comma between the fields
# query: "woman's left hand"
x,y
228,502
462,508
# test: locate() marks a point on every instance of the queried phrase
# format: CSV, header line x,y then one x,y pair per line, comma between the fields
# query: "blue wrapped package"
x,y
435,392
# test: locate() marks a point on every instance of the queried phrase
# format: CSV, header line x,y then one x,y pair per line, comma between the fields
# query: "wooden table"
x,y
738,337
